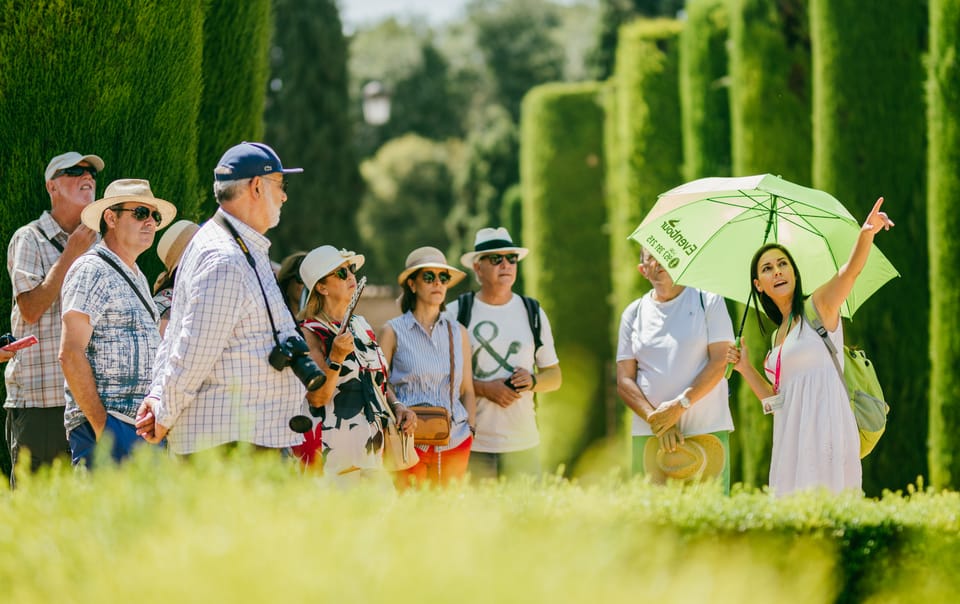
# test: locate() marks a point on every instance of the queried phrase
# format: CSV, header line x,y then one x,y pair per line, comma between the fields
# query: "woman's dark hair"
x,y
408,299
769,307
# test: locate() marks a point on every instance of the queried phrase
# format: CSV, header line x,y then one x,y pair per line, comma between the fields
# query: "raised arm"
x,y
830,296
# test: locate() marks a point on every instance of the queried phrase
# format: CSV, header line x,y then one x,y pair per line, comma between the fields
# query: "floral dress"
x,y
348,430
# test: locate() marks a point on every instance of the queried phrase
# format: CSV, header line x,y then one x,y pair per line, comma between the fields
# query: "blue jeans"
x,y
640,441
83,441
511,465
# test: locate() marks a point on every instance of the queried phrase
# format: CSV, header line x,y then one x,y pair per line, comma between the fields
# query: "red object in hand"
x,y
25,342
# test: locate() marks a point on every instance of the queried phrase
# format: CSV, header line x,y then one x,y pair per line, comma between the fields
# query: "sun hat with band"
x,y
174,241
69,160
492,241
699,457
429,257
322,261
123,191
247,160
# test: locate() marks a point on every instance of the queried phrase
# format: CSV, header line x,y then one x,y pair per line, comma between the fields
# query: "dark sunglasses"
x,y
341,273
430,277
141,213
496,259
76,171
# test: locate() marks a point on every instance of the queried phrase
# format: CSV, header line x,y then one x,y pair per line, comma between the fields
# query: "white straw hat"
x,y
429,257
492,241
322,261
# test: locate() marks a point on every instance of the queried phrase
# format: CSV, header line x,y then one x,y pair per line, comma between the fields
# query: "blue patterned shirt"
x,y
125,336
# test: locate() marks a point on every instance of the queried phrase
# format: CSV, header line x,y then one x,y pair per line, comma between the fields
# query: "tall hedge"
x,y
119,80
770,89
869,137
704,94
561,175
236,43
943,223
646,146
307,121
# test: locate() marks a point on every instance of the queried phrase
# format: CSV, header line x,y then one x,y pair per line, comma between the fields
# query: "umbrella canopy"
x,y
705,233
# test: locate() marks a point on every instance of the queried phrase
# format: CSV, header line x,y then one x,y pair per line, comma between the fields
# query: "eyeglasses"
x,y
341,273
282,183
430,277
496,259
141,213
76,171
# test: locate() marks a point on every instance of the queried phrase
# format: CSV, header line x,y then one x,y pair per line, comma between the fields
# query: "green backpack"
x,y
860,379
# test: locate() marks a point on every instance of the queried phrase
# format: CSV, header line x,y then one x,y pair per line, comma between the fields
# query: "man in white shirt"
x,y
671,355
220,376
508,365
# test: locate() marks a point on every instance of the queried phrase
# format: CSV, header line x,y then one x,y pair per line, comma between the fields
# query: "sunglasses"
x,y
341,273
141,213
76,171
430,277
496,259
282,183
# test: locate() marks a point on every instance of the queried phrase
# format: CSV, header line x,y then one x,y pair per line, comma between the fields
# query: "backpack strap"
x,y
533,317
465,307
813,317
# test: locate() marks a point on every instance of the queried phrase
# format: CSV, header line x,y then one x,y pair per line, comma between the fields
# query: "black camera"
x,y
295,354
6,339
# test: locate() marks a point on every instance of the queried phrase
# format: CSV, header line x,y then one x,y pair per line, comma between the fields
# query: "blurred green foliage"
x,y
943,224
864,149
252,530
568,268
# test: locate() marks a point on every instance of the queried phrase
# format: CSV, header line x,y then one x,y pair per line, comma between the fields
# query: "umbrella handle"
x,y
729,371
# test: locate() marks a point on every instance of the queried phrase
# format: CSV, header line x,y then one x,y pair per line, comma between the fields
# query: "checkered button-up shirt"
x,y
125,336
33,376
212,380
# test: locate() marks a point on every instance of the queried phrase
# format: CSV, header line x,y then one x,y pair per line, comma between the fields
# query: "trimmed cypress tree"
x,y
561,175
236,43
646,143
869,128
704,97
307,122
122,81
770,132
943,223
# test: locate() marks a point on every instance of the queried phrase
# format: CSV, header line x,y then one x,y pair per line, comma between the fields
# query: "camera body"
x,y
7,339
295,354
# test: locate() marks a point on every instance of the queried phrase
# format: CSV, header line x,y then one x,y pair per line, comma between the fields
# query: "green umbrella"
x,y
705,233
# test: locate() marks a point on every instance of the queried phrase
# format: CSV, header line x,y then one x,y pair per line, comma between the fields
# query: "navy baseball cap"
x,y
247,160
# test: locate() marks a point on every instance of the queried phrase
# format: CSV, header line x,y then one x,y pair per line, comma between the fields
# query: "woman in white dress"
x,y
815,438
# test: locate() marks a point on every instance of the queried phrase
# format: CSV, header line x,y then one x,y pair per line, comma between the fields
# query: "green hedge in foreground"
x,y
253,531
943,224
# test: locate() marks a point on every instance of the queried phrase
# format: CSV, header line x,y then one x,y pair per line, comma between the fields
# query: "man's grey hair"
x,y
227,190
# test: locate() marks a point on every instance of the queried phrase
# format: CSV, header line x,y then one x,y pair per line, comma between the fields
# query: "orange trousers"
x,y
437,468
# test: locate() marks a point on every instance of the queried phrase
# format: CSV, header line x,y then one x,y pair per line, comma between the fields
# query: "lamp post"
x,y
376,103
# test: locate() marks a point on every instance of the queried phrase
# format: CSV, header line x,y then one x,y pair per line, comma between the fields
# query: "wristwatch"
x,y
334,365
684,402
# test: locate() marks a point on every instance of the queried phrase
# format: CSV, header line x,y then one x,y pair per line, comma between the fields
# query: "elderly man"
x,y
513,357
38,257
110,334
224,373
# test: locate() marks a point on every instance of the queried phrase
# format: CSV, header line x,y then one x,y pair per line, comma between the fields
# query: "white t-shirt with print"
x,y
669,342
500,339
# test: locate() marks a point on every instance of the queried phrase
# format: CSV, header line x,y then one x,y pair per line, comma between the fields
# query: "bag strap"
x,y
452,366
127,278
817,325
52,241
533,318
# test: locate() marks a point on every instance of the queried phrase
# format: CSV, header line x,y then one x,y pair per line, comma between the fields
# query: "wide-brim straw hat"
x,y
700,457
492,241
322,261
174,241
127,190
429,257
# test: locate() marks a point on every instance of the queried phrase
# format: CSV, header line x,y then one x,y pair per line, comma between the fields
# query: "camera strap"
x,y
223,222
136,290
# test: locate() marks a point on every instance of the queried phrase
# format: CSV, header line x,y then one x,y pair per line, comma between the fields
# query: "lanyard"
x,y
776,375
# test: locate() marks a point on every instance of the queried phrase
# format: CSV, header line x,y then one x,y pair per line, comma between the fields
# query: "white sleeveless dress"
x,y
815,438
